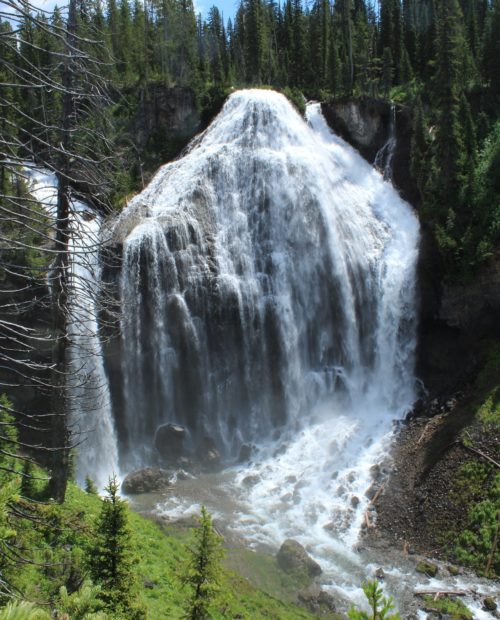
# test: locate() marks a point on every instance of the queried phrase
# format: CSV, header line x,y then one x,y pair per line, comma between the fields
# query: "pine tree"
x,y
254,41
387,71
343,35
112,559
448,87
491,48
8,438
419,148
90,486
28,487
203,571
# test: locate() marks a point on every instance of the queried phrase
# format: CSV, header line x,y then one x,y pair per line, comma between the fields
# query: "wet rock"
x,y
489,604
376,472
293,558
169,441
209,456
148,480
245,453
453,570
354,501
427,568
316,601
250,481
379,574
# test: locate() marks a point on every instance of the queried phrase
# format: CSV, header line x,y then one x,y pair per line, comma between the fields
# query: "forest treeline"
x,y
438,56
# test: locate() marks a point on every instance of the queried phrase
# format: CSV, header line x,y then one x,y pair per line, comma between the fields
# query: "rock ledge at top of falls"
x,y
293,558
177,194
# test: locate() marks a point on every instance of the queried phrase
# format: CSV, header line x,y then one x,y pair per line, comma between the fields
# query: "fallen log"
x,y
440,593
376,496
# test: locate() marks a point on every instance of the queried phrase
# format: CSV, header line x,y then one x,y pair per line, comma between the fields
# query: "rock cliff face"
x,y
163,112
457,320
365,124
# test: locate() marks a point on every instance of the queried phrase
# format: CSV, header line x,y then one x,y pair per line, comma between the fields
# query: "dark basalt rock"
x,y
245,454
169,441
365,124
149,480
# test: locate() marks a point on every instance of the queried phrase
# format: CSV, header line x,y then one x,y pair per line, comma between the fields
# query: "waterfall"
x,y
89,405
268,283
385,155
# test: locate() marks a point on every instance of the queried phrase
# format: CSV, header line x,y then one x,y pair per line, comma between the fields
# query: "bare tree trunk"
x,y
60,279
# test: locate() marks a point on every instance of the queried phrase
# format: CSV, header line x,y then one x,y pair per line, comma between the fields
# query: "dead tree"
x,y
52,98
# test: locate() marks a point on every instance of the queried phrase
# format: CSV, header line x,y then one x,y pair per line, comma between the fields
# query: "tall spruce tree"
x,y
112,558
448,89
203,571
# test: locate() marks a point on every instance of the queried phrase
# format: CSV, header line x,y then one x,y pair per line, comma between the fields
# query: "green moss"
x,y
427,568
454,608
489,411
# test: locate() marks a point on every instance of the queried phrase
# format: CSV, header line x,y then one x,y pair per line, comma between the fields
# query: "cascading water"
x,y
89,399
384,157
265,277
268,289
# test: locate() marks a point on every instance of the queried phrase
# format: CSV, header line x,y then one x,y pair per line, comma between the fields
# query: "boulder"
x,y
427,568
316,601
169,441
147,480
293,558
245,453
489,604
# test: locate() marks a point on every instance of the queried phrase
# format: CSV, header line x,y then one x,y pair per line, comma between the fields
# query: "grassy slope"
x,y
161,552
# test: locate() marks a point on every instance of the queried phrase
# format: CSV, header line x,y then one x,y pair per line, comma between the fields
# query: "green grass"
x,y
61,541
163,554
452,608
477,482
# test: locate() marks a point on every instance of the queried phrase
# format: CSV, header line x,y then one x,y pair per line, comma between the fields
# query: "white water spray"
x,y
89,400
267,273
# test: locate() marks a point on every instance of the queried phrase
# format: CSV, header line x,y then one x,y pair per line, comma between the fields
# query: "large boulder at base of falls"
x,y
149,480
169,441
293,558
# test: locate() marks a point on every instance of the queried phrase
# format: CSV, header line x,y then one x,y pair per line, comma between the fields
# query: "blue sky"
x,y
227,7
